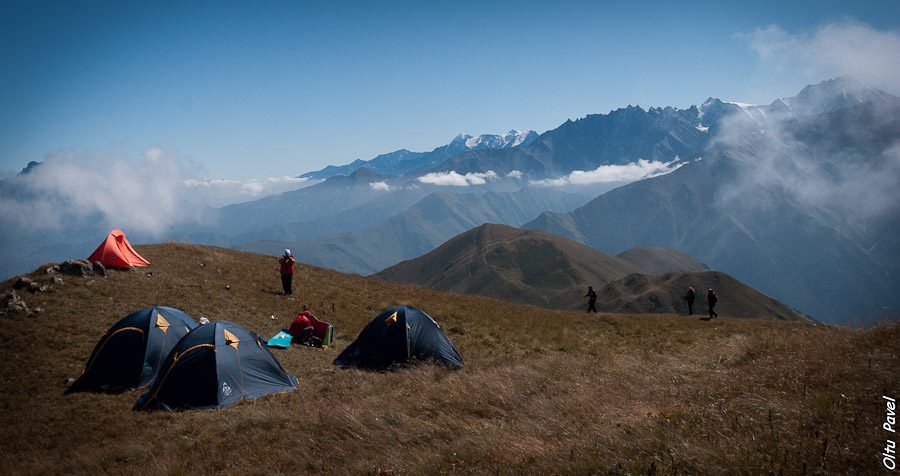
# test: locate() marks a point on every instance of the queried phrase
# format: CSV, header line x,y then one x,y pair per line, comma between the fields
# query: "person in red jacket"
x,y
287,271
301,329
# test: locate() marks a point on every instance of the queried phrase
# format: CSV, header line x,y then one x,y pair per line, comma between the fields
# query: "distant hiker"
x,y
711,299
301,329
689,297
287,271
592,299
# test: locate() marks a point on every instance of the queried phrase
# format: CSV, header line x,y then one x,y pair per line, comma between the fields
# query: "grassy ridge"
x,y
543,392
537,268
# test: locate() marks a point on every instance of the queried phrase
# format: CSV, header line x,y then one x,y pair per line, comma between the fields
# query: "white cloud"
x,y
65,190
614,173
515,174
221,192
212,183
455,179
148,196
820,173
556,182
835,49
848,176
381,186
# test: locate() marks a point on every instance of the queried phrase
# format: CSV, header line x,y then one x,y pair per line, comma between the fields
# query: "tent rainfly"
x,y
130,353
215,366
116,252
400,334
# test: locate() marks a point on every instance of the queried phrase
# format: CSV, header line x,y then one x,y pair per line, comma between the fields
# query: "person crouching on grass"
x,y
301,329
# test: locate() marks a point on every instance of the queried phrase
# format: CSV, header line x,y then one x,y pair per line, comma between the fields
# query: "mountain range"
x,y
419,229
793,198
403,161
804,216
796,198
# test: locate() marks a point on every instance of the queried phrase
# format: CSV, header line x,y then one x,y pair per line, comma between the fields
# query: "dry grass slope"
x,y
543,392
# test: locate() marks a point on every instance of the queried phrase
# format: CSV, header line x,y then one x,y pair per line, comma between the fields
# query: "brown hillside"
x,y
541,269
543,392
527,266
653,261
642,294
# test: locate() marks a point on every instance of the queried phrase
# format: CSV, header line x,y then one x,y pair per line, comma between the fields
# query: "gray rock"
x,y
99,269
14,304
77,267
23,282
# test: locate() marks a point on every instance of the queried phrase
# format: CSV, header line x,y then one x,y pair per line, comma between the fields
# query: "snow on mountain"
x,y
404,161
826,96
513,138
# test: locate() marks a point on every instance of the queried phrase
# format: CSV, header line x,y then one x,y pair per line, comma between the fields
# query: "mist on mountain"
x,y
773,195
797,206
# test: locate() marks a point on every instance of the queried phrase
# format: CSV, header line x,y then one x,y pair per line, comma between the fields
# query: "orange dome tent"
x,y
116,252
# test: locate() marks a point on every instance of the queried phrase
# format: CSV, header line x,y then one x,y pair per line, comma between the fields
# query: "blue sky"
x,y
272,89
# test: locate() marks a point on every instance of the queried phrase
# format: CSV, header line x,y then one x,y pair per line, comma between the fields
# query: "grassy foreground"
x,y
543,392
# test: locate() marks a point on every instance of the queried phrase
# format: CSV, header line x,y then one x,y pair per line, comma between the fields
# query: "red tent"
x,y
116,252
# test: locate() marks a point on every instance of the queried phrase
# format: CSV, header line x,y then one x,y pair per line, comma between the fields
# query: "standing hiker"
x,y
592,299
287,271
711,300
689,297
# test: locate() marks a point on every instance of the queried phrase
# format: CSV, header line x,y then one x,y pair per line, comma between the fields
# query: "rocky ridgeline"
x,y
12,302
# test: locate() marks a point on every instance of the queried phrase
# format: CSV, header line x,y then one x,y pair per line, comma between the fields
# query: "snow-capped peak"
x,y
461,137
513,138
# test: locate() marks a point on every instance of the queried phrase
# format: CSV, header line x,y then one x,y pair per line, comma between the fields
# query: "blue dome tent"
x,y
130,353
215,366
400,334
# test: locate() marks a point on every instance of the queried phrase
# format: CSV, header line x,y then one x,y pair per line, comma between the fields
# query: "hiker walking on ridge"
x,y
689,297
711,300
287,271
592,299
